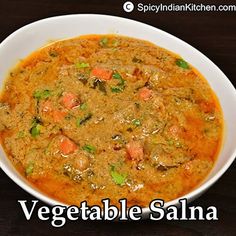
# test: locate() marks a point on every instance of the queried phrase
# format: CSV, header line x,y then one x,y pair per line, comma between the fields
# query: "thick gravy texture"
x,y
105,116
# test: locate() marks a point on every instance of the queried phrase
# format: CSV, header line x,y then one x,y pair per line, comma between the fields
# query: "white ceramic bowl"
x,y
33,36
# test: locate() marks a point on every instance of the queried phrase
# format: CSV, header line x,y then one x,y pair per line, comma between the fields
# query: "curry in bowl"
x,y
107,116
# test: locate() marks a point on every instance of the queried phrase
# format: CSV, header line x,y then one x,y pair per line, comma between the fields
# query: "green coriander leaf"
x,y
29,169
117,89
89,148
83,106
182,63
35,130
136,122
42,94
103,42
82,65
118,178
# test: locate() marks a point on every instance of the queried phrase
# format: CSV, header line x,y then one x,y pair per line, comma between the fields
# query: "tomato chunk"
x,y
102,73
207,107
145,93
135,150
70,100
58,115
67,146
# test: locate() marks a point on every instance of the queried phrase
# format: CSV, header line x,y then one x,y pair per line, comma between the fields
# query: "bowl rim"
x,y
145,210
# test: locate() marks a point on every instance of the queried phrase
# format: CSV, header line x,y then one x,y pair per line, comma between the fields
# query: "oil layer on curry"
x,y
106,116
